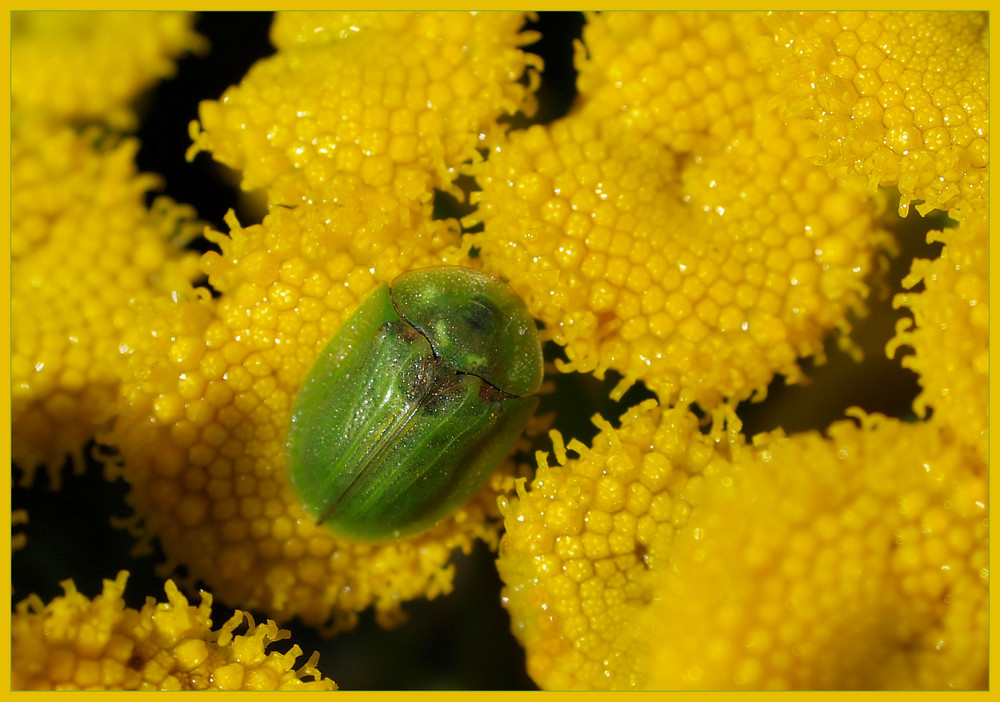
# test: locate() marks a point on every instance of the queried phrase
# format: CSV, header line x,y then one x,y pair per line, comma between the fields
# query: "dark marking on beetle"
x,y
491,393
481,314
444,392
420,380
406,332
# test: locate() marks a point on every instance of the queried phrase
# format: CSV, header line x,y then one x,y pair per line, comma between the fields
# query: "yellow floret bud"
x,y
949,331
401,103
84,66
74,643
18,517
896,98
581,546
857,561
83,247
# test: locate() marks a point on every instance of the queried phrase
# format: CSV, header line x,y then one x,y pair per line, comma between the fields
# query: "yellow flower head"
x,y
854,561
686,78
86,66
84,246
581,546
398,99
202,418
949,331
348,134
886,523
701,274
896,98
74,643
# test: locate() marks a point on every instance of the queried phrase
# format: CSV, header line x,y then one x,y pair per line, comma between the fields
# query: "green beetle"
x,y
413,403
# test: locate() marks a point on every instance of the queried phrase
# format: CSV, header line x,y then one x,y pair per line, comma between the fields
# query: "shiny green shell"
x,y
413,403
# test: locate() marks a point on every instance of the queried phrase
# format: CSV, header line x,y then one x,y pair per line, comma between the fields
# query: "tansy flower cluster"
x,y
872,577
84,66
895,98
582,546
219,375
83,242
84,248
399,100
951,322
672,179
700,221
73,643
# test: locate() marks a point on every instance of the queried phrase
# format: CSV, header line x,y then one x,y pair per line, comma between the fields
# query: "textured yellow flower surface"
x,y
218,377
202,423
853,561
704,265
896,98
658,560
686,78
704,223
703,281
556,193
581,549
949,332
75,643
84,248
84,66
399,99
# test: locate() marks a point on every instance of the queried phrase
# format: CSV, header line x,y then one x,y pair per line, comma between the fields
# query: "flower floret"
x,y
87,66
202,415
581,546
702,277
895,98
74,643
400,113
84,247
852,561
949,330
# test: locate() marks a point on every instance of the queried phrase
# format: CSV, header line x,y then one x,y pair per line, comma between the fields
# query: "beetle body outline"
x,y
391,432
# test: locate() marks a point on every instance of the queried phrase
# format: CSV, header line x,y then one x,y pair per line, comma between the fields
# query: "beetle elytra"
x,y
413,403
